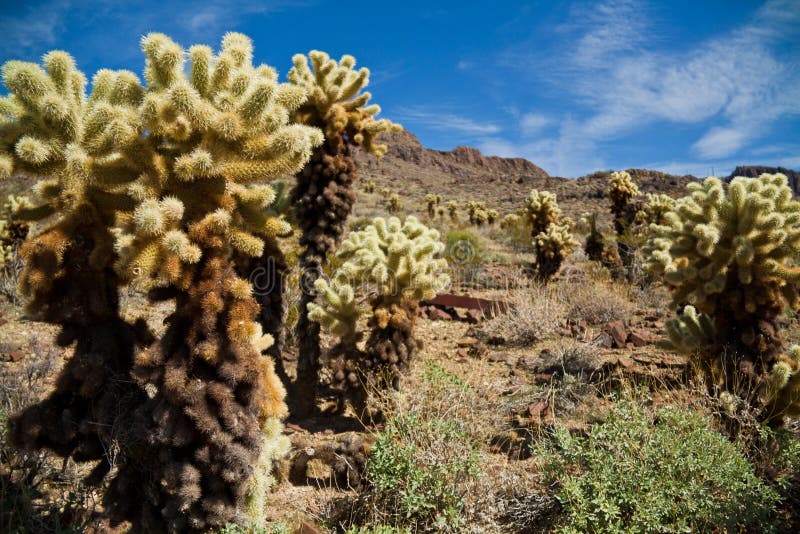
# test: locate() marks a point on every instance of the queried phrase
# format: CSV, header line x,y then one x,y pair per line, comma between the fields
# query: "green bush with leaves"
x,y
664,472
412,490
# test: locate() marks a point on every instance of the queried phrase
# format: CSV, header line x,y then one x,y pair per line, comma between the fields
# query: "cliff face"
x,y
461,161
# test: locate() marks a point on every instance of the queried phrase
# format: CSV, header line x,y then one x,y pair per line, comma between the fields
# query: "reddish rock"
x,y
467,342
462,355
537,410
542,378
616,330
640,338
435,314
604,340
474,316
498,357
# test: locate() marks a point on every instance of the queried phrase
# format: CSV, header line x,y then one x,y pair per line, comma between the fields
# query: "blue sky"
x,y
574,86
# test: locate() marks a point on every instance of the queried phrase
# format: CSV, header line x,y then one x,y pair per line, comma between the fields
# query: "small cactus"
x,y
431,202
452,210
393,204
395,265
369,187
324,194
552,240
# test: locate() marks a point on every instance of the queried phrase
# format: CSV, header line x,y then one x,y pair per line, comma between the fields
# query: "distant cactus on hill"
x,y
552,239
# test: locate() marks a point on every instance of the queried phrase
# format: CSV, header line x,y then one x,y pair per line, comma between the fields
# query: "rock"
x,y
627,363
527,363
604,340
474,316
640,338
498,357
616,330
537,410
436,314
291,428
463,357
542,378
467,342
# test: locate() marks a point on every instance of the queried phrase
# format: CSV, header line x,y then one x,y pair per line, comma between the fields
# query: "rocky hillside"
x,y
465,173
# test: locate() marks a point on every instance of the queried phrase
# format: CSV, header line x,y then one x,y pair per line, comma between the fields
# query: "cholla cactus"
x,y
476,212
393,205
452,210
431,202
540,211
552,247
656,208
552,240
491,216
622,190
369,187
323,194
732,256
84,151
12,232
510,220
388,268
594,239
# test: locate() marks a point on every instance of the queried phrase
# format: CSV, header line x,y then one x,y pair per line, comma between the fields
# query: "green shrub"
x,y
418,470
668,472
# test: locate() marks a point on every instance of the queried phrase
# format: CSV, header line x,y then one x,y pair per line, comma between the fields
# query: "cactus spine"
x,y
732,256
394,265
323,194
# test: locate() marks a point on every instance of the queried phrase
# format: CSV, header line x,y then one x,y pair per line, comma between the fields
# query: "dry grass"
x,y
598,301
536,314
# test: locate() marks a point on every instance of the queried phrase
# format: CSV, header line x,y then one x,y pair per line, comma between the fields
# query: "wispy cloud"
x,y
739,82
533,123
445,121
31,27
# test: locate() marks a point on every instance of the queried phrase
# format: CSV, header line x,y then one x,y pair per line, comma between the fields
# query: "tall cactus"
x,y
733,257
391,265
217,136
622,190
323,195
552,239
84,150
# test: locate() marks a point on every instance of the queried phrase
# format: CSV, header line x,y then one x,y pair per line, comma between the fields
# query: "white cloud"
x,y
609,66
533,123
37,26
445,121
720,142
